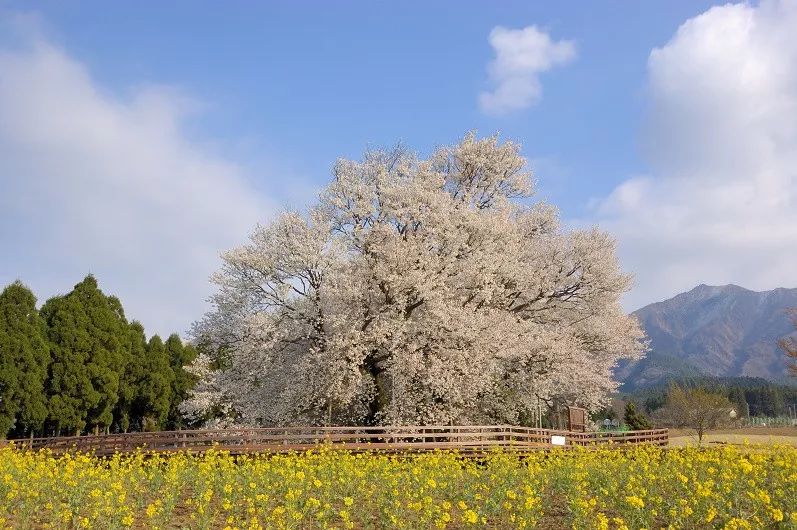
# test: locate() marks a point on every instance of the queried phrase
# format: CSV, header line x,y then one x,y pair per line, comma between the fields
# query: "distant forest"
x,y
77,365
753,396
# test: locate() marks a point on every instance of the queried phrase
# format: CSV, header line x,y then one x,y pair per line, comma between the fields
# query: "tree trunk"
x,y
377,400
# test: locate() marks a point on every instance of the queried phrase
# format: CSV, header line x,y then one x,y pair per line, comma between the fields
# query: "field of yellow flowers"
x,y
645,487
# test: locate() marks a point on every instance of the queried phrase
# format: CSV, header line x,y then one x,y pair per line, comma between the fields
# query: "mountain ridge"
x,y
717,331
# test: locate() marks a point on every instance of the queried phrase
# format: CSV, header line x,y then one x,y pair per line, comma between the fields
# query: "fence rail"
x,y
466,438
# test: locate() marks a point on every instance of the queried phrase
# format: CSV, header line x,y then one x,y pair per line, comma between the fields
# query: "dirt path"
x,y
734,438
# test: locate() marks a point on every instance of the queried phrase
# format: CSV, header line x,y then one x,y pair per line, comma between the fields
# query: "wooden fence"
x,y
467,439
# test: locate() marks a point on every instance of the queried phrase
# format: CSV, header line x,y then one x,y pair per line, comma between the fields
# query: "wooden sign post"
x,y
576,419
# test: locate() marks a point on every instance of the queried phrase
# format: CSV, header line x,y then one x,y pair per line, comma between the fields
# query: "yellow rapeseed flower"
x,y
470,517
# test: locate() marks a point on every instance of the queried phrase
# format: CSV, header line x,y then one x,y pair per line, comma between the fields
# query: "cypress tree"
x,y
180,356
88,337
736,396
155,391
634,419
24,357
132,378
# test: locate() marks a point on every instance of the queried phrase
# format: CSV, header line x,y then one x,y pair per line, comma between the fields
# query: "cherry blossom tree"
x,y
416,291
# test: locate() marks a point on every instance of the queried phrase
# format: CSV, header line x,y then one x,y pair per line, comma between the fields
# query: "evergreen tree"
x,y
635,420
737,397
132,379
180,356
88,335
775,402
24,357
155,391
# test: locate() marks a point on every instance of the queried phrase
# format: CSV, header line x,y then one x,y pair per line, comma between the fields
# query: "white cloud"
x,y
720,202
91,182
521,55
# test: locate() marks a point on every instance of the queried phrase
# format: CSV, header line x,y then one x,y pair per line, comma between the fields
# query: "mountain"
x,y
725,331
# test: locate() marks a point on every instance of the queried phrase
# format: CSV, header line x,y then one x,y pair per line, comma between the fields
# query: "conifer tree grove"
x,y
24,356
88,337
78,365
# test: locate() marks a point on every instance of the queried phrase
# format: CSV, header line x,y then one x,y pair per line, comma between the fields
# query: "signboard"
x,y
557,440
577,419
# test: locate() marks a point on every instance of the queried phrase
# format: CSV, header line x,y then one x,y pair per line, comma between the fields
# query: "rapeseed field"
x,y
645,487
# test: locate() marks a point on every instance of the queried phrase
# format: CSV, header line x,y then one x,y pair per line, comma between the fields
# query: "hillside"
x,y
725,331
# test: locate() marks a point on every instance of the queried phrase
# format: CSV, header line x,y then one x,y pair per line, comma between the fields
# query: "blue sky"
x,y
259,99
306,83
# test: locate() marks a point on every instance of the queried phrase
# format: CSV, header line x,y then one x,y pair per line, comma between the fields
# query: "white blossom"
x,y
417,292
